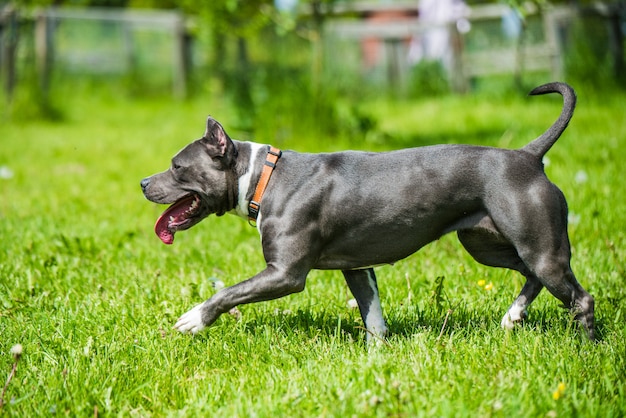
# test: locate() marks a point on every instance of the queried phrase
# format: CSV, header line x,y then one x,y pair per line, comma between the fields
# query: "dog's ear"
x,y
217,142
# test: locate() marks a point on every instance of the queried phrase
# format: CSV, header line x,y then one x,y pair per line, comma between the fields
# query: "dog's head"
x,y
199,182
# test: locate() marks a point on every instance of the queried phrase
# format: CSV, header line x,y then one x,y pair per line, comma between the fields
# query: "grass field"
x,y
91,294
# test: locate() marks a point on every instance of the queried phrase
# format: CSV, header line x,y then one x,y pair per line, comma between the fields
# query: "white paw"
x,y
514,316
191,322
376,337
507,322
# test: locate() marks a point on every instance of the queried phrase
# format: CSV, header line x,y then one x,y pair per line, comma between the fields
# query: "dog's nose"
x,y
144,183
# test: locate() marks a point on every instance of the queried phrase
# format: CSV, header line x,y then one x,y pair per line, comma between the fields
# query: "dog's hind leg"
x,y
487,246
541,245
553,269
362,284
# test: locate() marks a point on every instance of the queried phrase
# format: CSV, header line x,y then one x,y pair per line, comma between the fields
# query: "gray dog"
x,y
351,211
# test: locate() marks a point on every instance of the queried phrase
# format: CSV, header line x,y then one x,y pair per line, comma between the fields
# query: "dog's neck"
x,y
247,181
269,165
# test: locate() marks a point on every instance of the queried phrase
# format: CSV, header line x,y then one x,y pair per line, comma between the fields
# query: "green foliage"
x,y
587,59
437,297
91,294
428,79
237,18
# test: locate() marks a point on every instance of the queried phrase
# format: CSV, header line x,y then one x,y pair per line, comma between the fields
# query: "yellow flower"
x,y
483,283
559,392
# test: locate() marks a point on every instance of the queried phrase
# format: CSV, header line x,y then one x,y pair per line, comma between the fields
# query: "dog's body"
x,y
351,211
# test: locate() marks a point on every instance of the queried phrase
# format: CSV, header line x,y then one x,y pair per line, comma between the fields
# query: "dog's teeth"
x,y
193,206
171,219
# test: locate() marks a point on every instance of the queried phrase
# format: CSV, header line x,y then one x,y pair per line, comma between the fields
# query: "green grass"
x,y
91,293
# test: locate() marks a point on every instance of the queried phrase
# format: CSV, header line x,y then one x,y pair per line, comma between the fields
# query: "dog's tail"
x,y
541,145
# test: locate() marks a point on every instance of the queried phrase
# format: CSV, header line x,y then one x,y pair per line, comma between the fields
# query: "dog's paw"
x,y
191,322
507,322
513,317
376,335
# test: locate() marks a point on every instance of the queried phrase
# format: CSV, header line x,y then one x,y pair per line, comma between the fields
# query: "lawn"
x,y
91,294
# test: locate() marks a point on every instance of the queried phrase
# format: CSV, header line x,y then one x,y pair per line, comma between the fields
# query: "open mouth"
x,y
177,217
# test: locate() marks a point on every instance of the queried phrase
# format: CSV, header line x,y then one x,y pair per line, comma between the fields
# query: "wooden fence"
x,y
8,47
542,55
130,19
48,21
350,21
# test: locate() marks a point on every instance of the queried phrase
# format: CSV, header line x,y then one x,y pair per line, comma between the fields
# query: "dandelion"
x,y
486,286
546,161
16,351
497,405
573,218
581,177
559,392
5,172
352,304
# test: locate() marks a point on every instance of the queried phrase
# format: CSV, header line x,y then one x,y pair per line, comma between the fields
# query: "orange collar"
x,y
268,168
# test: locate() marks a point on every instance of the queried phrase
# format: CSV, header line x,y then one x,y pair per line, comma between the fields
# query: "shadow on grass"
x,y
312,324
405,323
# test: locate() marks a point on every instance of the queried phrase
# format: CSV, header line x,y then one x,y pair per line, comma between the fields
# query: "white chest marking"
x,y
244,181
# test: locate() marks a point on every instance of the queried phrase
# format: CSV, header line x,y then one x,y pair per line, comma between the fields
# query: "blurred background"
x,y
289,66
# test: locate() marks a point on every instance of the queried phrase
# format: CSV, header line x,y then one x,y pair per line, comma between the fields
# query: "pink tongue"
x,y
161,227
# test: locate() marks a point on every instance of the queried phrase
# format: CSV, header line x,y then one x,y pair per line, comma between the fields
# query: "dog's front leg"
x,y
271,283
362,284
